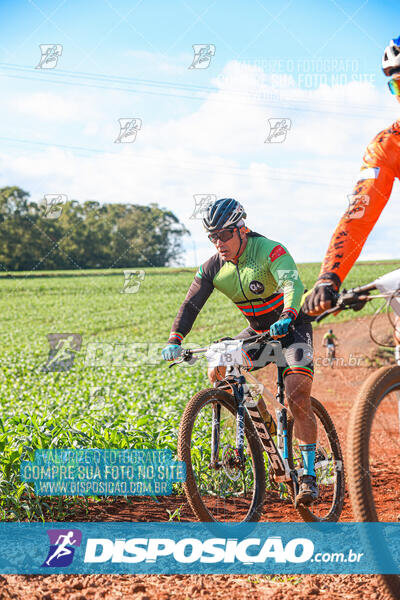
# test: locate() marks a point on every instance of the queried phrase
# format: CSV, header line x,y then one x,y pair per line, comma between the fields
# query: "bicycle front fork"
x,y
215,432
282,428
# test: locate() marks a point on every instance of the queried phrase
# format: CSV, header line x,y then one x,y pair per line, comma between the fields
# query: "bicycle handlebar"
x,y
187,354
355,298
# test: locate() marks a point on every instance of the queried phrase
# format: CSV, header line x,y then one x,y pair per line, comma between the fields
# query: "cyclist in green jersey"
x,y
329,338
261,278
328,341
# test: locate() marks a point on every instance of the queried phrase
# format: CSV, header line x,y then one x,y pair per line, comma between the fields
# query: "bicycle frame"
x,y
278,454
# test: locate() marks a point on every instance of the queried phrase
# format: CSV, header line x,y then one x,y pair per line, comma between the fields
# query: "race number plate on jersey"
x,y
389,284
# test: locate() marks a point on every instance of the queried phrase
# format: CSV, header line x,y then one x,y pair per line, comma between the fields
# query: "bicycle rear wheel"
x,y
226,493
374,456
328,467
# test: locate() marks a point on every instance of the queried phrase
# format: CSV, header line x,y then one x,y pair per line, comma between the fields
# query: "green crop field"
x,y
141,399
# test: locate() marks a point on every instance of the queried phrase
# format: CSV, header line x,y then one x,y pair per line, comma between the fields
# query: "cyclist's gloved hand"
x,y
320,298
171,351
280,328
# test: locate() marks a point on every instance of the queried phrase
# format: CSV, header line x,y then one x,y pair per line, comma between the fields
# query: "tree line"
x,y
58,234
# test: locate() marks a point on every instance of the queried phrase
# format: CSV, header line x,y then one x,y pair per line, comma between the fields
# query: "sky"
x,y
313,66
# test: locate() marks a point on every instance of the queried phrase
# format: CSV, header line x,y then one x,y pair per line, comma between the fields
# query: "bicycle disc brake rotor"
x,y
231,463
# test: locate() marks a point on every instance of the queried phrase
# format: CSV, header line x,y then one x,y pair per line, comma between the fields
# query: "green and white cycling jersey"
x,y
329,339
264,284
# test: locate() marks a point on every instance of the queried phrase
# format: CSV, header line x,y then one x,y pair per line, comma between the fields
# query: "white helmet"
x,y
391,58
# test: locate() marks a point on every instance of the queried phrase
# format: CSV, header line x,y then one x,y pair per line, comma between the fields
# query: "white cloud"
x,y
157,63
50,107
294,192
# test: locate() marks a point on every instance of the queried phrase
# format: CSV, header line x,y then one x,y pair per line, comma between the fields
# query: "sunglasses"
x,y
224,235
394,86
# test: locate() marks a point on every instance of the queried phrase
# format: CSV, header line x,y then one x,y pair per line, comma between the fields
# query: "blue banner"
x,y
252,548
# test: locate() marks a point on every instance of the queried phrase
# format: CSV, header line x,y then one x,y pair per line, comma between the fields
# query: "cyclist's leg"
x,y
216,374
298,375
298,391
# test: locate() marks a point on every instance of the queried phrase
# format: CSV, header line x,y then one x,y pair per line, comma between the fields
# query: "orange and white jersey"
x,y
381,164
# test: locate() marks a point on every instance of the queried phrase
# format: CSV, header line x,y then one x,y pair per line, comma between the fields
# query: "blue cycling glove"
x,y
171,351
280,328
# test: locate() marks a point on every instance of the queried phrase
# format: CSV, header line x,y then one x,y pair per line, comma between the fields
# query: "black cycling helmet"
x,y
391,58
223,213
330,331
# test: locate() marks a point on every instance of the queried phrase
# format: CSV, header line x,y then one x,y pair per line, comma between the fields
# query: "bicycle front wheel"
x,y
328,467
374,456
374,448
224,491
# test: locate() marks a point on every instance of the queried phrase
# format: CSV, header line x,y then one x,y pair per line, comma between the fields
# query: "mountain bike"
x,y
330,354
373,440
229,450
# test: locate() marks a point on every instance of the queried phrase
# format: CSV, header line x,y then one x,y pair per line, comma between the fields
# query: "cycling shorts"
x,y
295,353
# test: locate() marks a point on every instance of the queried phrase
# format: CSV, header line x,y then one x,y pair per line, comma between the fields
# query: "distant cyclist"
x,y
328,341
381,165
261,278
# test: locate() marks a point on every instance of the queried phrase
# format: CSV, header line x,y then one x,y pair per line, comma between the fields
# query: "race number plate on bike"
x,y
227,353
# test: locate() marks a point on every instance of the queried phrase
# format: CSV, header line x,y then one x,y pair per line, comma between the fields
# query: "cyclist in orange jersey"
x,y
381,164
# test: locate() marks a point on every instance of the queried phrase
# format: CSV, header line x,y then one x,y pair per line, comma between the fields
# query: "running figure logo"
x,y
278,129
357,204
286,278
62,542
133,280
100,393
202,56
52,205
128,129
63,347
50,54
202,202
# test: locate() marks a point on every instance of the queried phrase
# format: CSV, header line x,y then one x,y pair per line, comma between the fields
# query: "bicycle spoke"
x,y
384,457
227,488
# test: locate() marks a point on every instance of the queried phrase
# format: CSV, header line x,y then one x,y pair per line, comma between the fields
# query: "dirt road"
x,y
336,388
